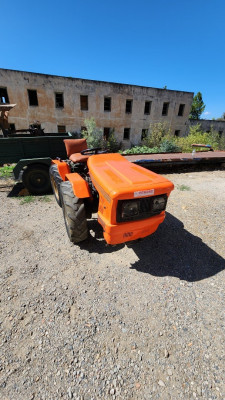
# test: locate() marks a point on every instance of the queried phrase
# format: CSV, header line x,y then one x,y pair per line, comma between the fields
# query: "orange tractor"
x,y
130,200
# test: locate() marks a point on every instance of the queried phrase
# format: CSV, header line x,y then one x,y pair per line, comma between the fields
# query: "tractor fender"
x,y
63,168
26,162
80,187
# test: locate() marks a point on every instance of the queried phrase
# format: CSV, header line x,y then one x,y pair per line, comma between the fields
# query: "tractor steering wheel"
x,y
95,150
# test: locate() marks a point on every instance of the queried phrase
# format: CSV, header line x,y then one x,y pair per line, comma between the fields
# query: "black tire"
x,y
36,179
74,214
56,180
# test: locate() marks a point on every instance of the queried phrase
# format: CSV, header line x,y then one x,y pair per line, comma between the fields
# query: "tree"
x,y
93,135
197,106
222,118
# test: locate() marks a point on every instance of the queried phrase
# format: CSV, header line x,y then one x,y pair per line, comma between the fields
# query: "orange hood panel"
x,y
117,176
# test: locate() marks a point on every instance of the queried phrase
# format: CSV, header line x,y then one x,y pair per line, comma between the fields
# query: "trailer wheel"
x,y
74,214
36,179
55,179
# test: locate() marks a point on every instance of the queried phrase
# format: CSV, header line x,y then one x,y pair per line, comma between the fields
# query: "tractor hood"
x,y
115,176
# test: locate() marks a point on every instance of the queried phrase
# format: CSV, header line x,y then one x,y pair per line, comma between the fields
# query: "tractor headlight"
x,y
141,208
129,209
159,203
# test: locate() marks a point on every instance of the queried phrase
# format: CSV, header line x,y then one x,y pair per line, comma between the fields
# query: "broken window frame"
x,y
32,97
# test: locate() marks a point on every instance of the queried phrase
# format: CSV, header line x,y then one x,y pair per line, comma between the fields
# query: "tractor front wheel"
x,y
74,214
56,180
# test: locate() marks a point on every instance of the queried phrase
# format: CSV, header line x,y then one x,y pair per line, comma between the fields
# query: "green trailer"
x,y
32,156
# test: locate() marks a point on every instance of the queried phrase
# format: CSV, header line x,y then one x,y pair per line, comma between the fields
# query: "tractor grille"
x,y
137,209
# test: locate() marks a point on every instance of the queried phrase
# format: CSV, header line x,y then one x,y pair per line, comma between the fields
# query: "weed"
x,y
6,171
183,187
45,199
27,199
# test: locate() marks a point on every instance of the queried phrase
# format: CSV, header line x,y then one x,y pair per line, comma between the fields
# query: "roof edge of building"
x,y
96,81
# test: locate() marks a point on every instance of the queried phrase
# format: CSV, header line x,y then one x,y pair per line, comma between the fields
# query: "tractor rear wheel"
x,y
74,214
56,180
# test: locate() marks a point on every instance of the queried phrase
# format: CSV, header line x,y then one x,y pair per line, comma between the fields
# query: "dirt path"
x,y
143,321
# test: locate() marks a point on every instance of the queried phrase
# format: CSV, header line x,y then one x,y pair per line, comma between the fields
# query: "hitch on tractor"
x,y
130,200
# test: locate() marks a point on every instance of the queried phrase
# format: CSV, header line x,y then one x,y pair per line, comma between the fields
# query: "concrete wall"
x,y
206,125
18,83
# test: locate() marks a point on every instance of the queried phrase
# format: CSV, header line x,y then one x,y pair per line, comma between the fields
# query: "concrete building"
x,y
62,104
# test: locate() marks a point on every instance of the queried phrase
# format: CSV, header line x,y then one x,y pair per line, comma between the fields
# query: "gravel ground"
x,y
143,321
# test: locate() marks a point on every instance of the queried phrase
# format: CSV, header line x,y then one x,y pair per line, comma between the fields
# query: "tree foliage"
x,y
157,131
197,106
222,118
94,137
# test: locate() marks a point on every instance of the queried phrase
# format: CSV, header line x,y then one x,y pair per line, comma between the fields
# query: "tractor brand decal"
x,y
143,193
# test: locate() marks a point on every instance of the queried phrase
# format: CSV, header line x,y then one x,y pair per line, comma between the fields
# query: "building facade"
x,y
62,104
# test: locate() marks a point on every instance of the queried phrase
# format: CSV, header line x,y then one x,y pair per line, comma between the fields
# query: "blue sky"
x,y
155,43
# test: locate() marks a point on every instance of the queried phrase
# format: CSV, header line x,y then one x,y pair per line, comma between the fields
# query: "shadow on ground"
x,y
171,251
14,192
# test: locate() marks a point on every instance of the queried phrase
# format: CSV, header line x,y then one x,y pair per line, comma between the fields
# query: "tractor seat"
x,y
73,149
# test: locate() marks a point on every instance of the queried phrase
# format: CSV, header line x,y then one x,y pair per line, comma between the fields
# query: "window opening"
x,y
4,96
61,128
107,103
12,127
181,110
84,103
106,133
129,106
177,133
59,100
147,107
126,134
32,95
165,108
144,134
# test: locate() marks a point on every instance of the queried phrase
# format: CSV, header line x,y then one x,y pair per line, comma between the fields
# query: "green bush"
x,y
168,146
196,135
111,144
222,142
94,137
141,150
157,133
